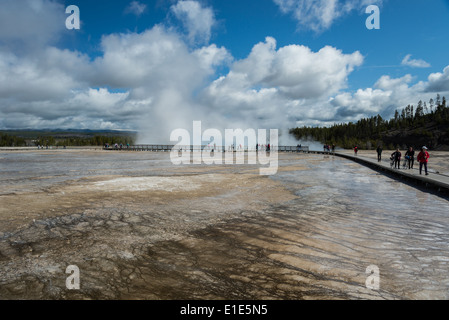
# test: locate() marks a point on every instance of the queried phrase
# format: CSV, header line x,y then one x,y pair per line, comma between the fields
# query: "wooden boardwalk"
x,y
434,181
168,148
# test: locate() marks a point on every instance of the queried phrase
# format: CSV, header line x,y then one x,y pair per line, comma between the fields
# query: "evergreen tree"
x,y
419,110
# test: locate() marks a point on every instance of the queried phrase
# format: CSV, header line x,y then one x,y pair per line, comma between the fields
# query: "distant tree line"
x,y
11,141
84,141
7,140
415,123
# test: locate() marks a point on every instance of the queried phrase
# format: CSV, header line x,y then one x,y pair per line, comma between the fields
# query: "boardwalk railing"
x,y
168,148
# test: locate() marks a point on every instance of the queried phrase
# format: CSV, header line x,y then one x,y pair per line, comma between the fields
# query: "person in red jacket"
x,y
423,158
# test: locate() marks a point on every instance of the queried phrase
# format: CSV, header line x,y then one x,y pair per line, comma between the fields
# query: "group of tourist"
x,y
423,158
116,146
328,148
259,147
47,147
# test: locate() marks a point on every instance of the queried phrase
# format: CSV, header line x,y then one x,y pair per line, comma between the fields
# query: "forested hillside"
x,y
423,124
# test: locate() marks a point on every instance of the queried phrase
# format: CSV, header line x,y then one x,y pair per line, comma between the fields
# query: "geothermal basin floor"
x,y
138,227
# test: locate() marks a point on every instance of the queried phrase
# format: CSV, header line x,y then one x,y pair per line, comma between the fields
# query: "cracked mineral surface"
x,y
138,227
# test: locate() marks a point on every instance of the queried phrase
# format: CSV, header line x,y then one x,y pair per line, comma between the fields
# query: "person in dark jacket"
x,y
396,158
411,157
423,158
379,153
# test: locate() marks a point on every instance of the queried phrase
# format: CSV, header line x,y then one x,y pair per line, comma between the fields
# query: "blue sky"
x,y
156,65
414,27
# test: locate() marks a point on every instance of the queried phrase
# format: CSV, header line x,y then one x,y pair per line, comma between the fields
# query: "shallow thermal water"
x,y
31,171
138,227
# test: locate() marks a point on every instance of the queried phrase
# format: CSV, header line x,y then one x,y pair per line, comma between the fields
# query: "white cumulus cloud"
x,y
292,72
136,8
26,25
415,63
197,20
438,82
319,15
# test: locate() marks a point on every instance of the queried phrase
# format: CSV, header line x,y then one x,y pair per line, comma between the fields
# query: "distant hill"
x,y
425,124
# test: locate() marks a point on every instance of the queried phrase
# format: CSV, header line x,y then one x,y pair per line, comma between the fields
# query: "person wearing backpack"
x,y
411,157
